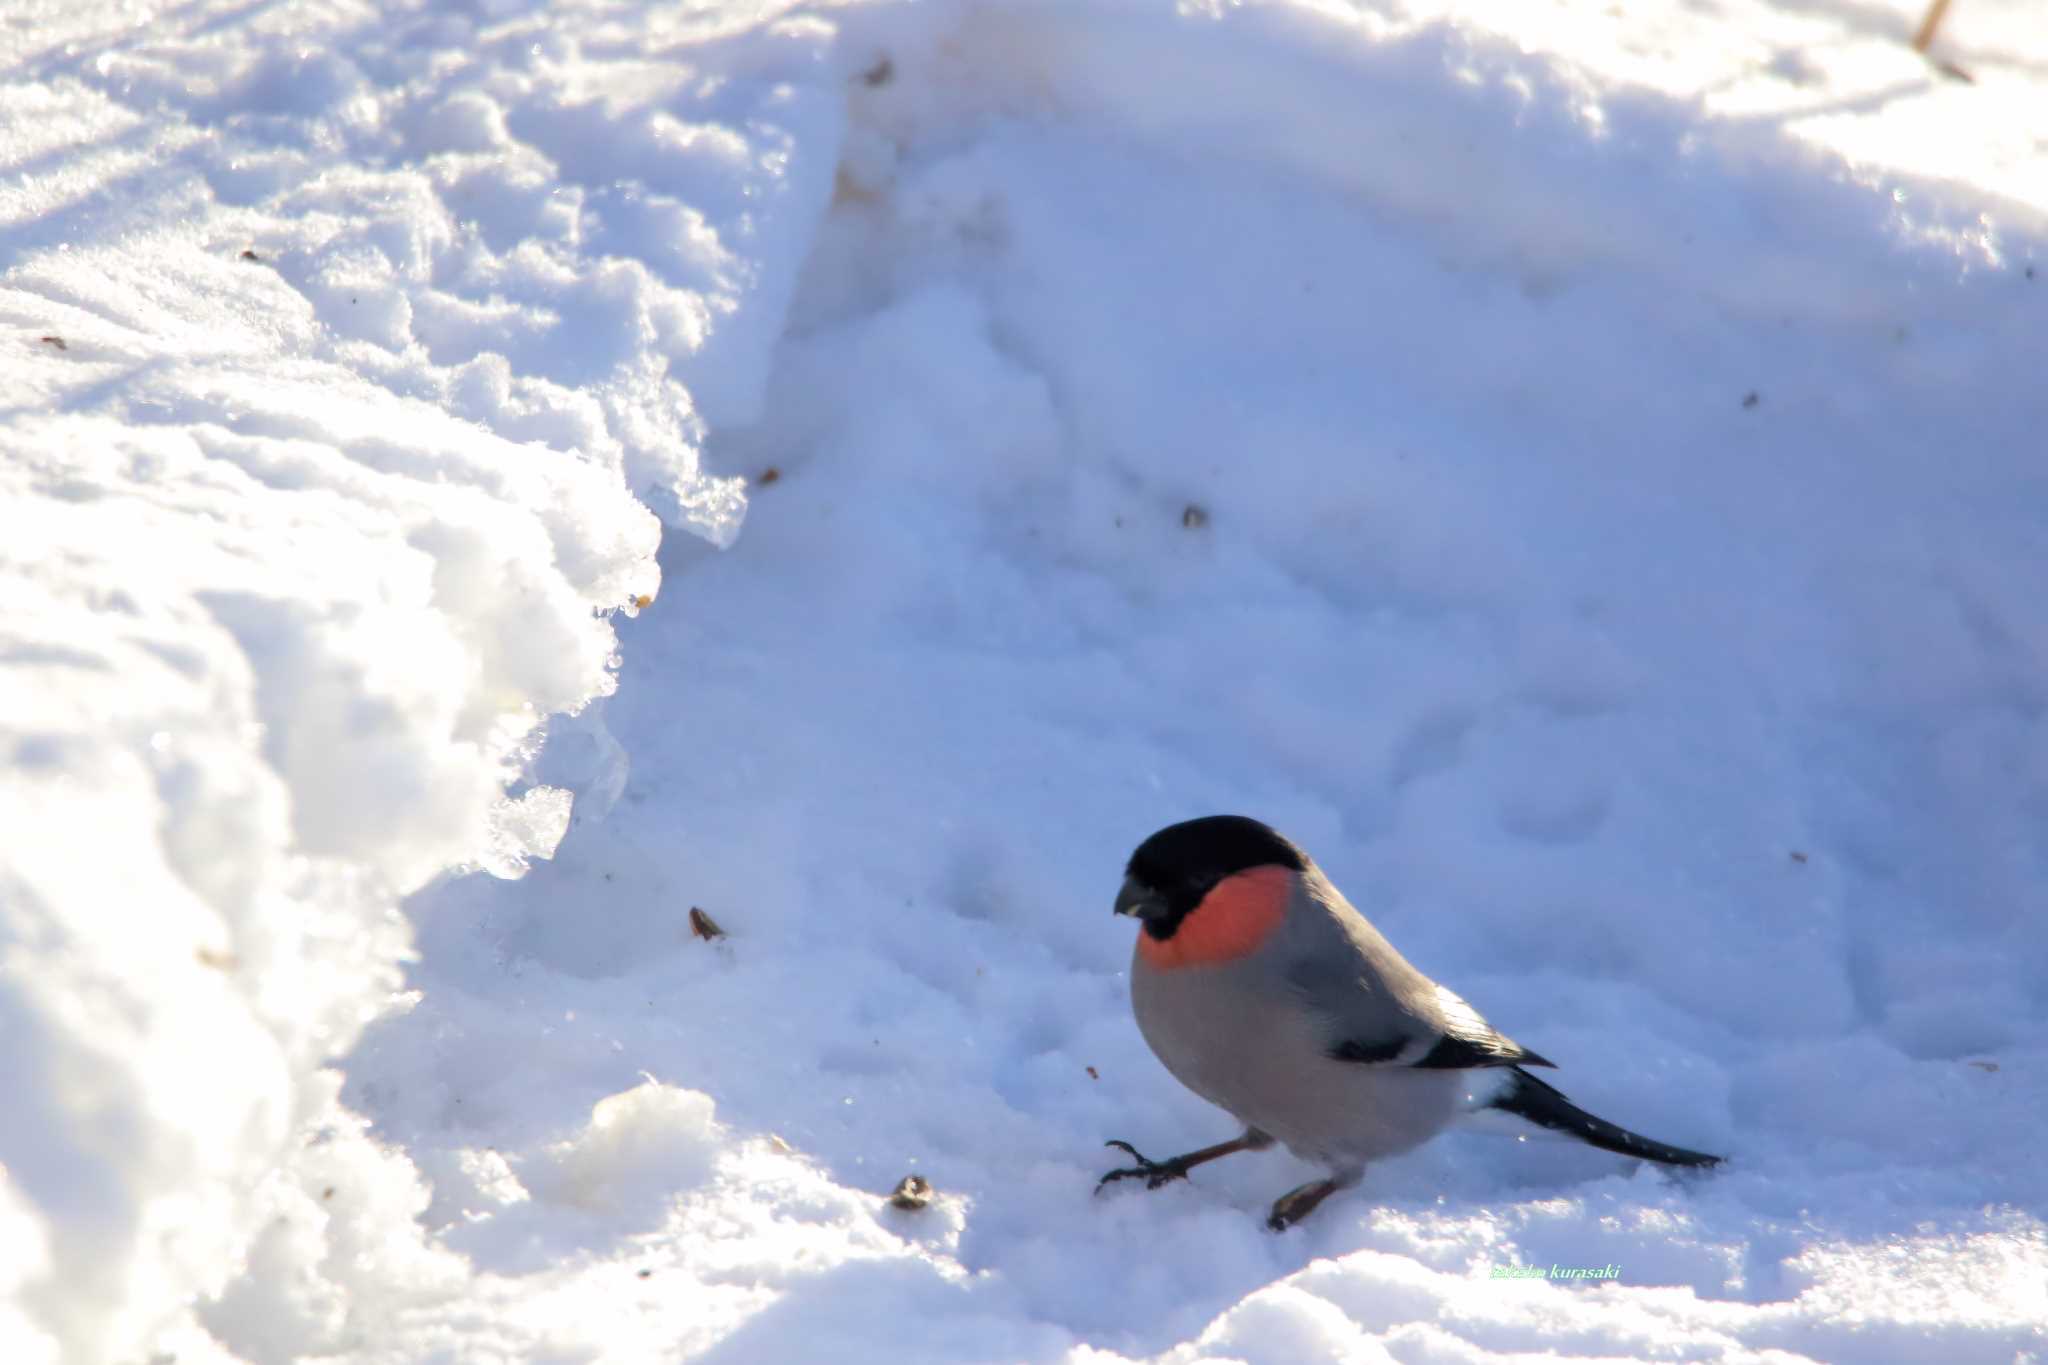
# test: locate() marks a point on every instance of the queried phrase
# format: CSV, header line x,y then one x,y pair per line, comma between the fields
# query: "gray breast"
x,y
1239,1038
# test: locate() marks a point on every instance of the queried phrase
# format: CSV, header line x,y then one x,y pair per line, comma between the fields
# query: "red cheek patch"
x,y
1231,922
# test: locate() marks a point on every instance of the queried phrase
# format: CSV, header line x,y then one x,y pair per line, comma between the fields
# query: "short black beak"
x,y
1140,900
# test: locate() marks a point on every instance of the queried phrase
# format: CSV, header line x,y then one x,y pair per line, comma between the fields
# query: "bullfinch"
x,y
1264,991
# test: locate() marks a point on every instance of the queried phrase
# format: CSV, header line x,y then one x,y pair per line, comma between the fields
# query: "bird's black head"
x,y
1171,871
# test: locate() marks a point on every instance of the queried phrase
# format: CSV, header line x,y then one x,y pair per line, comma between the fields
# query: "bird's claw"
x,y
1154,1173
1298,1203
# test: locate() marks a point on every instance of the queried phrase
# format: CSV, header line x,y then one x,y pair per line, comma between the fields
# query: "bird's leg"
x,y
1157,1173
1301,1201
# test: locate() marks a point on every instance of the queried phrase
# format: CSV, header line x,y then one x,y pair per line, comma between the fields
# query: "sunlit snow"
x,y
480,480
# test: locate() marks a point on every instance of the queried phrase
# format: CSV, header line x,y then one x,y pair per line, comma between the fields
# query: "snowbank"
x,y
328,400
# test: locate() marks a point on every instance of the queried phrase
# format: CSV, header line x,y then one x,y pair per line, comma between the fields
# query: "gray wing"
x,y
1467,1040
1382,1012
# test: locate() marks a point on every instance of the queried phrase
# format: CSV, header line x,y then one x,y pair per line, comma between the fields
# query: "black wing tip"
x,y
1450,1053
1455,1053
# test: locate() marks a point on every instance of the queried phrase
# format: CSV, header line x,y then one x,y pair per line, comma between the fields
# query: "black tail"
x,y
1526,1097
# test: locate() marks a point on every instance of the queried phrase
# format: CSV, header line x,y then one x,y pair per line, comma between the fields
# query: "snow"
x,y
1577,471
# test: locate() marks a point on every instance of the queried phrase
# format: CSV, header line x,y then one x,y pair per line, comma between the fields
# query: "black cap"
x,y
1181,863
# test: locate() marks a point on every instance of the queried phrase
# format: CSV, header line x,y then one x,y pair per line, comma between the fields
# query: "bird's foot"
x,y
1299,1202
1154,1173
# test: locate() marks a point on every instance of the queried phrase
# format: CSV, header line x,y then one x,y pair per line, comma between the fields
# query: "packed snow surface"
x,y
1581,471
